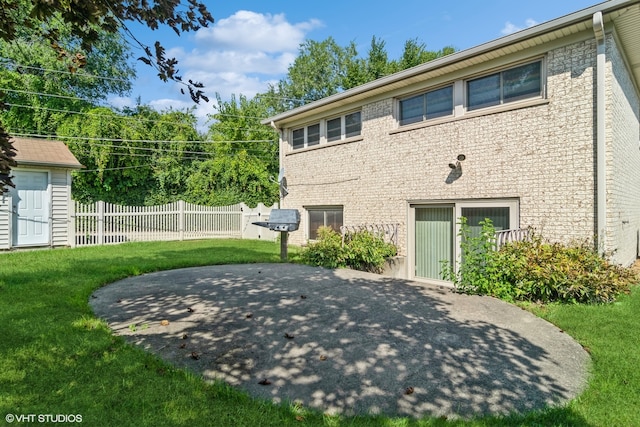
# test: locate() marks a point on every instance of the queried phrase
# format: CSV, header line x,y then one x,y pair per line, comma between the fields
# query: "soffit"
x,y
627,25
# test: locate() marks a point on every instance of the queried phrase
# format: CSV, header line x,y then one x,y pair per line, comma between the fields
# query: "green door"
x,y
434,240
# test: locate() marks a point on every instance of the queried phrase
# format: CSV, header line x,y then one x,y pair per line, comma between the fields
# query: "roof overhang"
x,y
44,153
623,14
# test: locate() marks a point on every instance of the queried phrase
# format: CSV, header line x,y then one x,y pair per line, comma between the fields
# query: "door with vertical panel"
x,y
434,229
30,208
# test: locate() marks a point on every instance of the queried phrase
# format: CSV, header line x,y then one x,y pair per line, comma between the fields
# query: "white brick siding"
x,y
543,155
623,160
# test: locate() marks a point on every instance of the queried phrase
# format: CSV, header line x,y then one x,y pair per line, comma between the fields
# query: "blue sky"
x,y
253,42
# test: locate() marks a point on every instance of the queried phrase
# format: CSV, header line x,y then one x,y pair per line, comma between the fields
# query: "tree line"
x,y
140,156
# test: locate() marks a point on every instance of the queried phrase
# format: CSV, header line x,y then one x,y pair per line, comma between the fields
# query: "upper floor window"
x,y
306,136
344,126
514,84
336,129
426,106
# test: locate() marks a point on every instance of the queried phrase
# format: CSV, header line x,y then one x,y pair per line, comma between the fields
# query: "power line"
x,y
151,141
114,169
51,95
77,74
138,119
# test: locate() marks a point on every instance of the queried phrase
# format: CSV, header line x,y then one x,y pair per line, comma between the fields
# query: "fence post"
x,y
245,217
181,218
100,222
71,227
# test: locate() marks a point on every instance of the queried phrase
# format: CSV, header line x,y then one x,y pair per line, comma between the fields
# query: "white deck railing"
x,y
515,235
104,223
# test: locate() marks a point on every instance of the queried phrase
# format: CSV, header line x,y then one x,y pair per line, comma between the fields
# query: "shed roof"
x,y
44,152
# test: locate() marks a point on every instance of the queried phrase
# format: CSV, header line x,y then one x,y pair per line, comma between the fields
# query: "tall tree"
x,y
87,21
318,71
40,91
244,157
369,68
136,157
415,53
325,68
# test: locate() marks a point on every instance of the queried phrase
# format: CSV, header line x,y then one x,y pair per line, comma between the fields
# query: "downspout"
x,y
601,154
280,157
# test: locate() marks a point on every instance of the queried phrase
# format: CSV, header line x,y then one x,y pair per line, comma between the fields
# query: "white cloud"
x,y
251,31
238,55
242,54
122,101
510,28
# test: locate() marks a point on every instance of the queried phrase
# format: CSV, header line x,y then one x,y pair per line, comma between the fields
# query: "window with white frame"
x,y
324,216
336,129
306,136
344,127
426,106
513,84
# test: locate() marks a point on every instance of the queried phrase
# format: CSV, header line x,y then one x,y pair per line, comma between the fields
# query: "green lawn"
x,y
56,358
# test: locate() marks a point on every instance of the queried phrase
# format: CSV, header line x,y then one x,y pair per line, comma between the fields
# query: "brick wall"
x,y
623,160
543,155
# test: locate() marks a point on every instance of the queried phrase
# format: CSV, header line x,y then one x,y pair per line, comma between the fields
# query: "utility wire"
x,y
15,64
152,141
131,118
77,74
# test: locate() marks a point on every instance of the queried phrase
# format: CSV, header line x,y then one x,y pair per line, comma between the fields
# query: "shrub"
x,y
327,251
542,271
366,251
479,272
361,250
535,270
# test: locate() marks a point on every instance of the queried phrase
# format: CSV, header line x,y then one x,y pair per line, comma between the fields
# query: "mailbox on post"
x,y
284,221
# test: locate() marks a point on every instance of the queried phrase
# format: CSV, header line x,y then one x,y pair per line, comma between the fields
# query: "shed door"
x,y
30,208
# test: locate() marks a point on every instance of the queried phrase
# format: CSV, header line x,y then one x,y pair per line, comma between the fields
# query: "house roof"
x,y
623,14
44,152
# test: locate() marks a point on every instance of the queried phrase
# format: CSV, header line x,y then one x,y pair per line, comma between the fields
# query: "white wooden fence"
x,y
105,223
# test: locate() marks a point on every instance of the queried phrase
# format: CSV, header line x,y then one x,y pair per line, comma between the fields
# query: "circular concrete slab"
x,y
347,342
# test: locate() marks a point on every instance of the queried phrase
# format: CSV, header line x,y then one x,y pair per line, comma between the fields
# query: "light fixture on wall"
x,y
456,164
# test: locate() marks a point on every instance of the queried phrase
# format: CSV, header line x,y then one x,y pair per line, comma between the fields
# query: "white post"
x,y
71,230
100,224
181,218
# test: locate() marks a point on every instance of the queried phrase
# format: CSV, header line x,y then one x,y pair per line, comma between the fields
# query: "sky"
x,y
253,42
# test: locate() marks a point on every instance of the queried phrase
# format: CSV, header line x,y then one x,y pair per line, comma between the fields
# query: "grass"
x,y
57,358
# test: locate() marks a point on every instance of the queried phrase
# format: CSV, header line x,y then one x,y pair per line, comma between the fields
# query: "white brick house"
x,y
547,120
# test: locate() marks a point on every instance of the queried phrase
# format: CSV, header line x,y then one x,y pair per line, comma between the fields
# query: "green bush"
x,y
535,270
361,250
542,271
326,251
479,272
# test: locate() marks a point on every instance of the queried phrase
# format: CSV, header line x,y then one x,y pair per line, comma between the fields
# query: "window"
x,y
298,138
426,106
436,234
306,136
336,129
313,135
514,84
324,216
345,126
353,124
